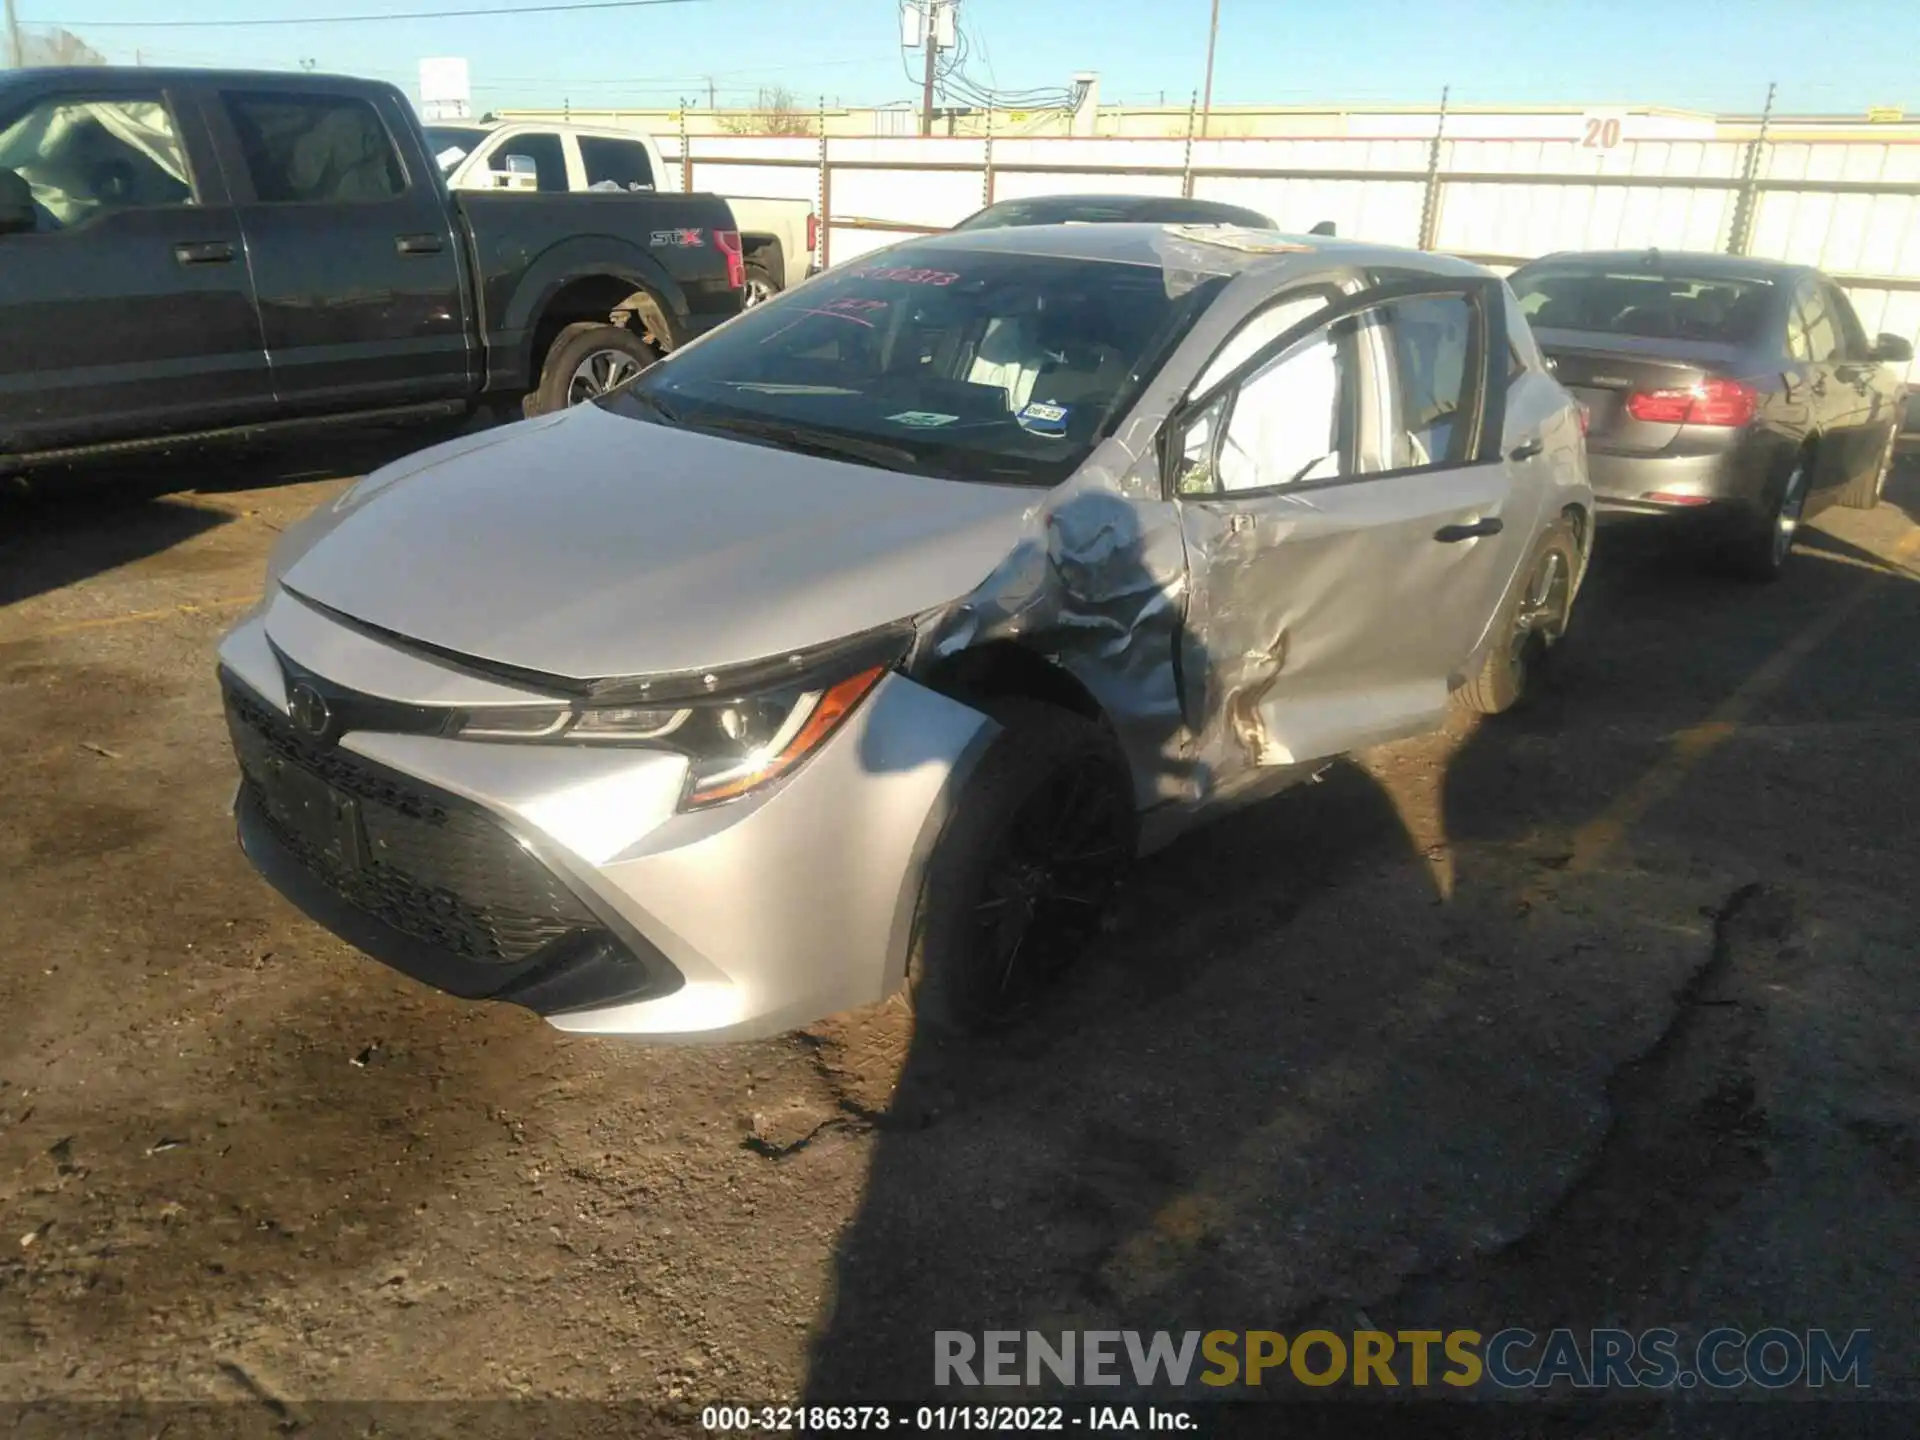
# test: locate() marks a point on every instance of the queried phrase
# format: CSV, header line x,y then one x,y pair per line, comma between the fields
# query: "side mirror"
x,y
1891,349
518,172
17,215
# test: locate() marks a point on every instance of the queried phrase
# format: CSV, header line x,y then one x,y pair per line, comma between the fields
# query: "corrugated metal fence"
x,y
1850,206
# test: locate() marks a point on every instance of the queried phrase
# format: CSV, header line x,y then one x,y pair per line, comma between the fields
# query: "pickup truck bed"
x,y
192,254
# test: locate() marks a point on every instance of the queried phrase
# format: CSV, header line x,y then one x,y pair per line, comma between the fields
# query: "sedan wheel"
x,y
1793,503
1866,492
1027,866
1759,552
1534,622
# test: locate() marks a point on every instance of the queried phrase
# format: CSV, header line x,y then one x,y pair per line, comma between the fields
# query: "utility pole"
x,y
1213,34
932,24
16,51
710,104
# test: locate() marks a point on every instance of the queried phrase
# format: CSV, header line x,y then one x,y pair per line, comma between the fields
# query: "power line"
x,y
362,19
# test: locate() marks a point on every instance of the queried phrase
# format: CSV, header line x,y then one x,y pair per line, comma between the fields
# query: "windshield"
x,y
450,144
967,365
1721,309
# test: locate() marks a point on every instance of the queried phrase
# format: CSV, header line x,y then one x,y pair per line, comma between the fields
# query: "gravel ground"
x,y
1598,1014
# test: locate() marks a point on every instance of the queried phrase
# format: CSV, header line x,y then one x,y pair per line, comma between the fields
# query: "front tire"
x,y
1534,619
1026,868
1759,552
1865,493
585,361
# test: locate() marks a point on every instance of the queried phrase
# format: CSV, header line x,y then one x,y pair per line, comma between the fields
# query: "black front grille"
x,y
427,864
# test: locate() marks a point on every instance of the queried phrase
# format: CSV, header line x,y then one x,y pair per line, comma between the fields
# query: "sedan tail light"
x,y
813,234
1726,403
728,242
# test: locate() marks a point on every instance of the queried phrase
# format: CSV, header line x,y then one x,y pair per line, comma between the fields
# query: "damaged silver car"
x,y
862,644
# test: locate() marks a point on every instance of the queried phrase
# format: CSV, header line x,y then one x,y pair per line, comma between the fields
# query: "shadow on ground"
x,y
1476,1032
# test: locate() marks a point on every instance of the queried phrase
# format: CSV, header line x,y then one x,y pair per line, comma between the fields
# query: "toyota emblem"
x,y
309,710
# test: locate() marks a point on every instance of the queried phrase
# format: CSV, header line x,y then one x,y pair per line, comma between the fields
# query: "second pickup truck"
x,y
188,255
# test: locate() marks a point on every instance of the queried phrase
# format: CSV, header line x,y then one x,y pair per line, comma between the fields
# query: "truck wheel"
x,y
1865,493
584,362
1029,862
761,285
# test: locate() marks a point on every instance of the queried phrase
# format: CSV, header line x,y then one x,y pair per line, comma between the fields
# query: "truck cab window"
x,y
549,158
82,158
622,163
302,149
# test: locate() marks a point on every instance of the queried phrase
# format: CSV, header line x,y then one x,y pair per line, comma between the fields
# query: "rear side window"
x,y
1823,335
621,163
303,149
1655,305
83,159
549,159
1853,335
1432,340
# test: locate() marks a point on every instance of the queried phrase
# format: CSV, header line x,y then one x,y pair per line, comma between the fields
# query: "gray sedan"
x,y
863,643
1738,395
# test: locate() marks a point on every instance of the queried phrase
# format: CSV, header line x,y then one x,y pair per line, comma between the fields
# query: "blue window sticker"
x,y
1044,419
923,419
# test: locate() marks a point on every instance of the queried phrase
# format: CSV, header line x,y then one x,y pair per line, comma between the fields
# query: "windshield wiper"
x,y
808,441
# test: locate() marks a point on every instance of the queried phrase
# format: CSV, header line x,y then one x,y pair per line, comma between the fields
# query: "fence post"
x,y
986,180
825,187
1186,166
686,153
1430,202
1740,233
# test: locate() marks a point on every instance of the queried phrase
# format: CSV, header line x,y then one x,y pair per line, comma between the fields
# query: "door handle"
x,y
203,252
1527,449
1453,534
418,244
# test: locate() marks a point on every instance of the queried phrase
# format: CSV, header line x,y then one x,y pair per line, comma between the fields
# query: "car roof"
x,y
1119,199
1222,250
1705,263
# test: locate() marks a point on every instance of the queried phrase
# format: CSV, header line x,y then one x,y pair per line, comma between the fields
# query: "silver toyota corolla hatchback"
x,y
861,644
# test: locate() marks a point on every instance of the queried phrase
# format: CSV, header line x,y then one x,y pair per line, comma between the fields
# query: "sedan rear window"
x,y
969,365
1721,309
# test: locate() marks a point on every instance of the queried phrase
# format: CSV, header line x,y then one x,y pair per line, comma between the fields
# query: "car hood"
x,y
589,545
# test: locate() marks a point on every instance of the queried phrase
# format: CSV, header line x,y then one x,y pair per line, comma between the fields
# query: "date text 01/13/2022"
x,y
930,1419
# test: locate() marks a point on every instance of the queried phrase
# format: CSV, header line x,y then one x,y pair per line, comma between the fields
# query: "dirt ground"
x,y
1602,1013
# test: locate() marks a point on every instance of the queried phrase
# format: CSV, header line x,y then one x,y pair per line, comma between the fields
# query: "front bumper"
x,y
564,878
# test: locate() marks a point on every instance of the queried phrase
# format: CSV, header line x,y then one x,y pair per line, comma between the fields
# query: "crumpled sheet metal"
x,y
1097,584
1105,581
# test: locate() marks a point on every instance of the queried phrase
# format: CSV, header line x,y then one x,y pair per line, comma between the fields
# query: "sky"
x,y
1831,56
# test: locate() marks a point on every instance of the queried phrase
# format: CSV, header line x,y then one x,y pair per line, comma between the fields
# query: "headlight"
x,y
739,732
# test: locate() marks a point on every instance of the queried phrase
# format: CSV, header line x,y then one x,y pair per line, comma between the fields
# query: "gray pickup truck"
x,y
193,255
